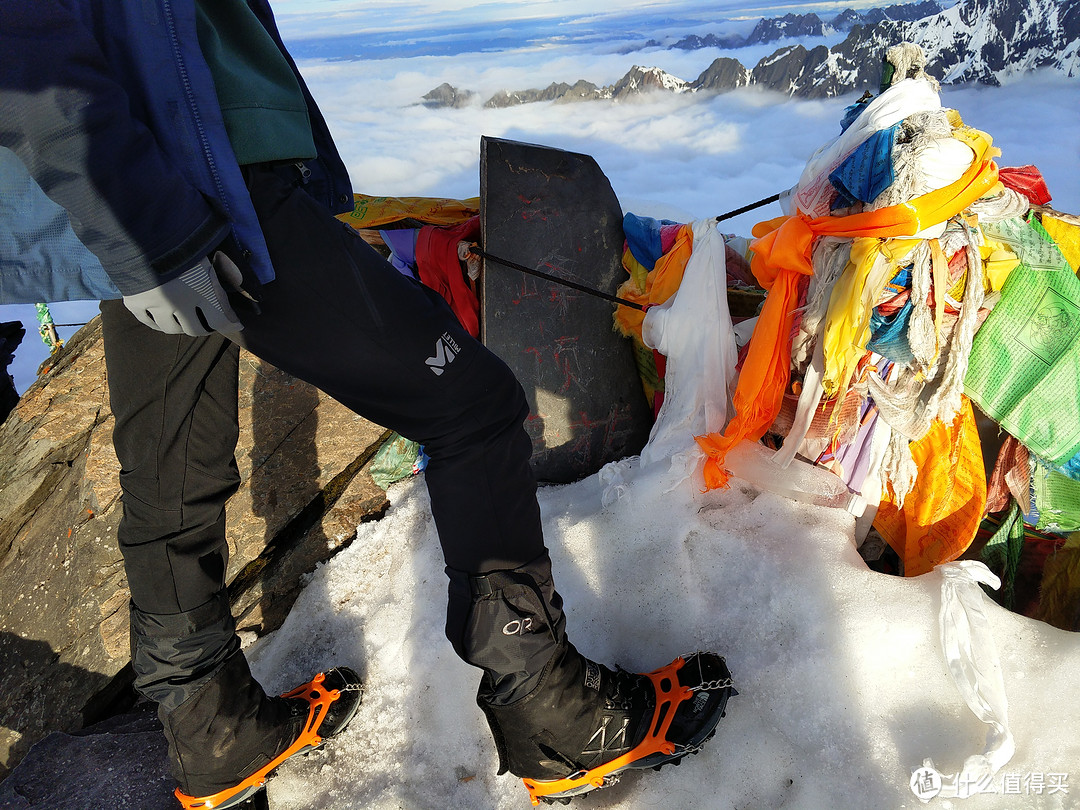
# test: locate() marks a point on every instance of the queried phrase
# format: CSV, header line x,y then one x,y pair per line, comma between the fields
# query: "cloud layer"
x,y
697,154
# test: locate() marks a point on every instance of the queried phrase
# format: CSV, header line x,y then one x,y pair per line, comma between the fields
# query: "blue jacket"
x,y
111,107
41,259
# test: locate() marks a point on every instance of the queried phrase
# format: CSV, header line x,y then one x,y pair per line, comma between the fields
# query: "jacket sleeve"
x,y
67,117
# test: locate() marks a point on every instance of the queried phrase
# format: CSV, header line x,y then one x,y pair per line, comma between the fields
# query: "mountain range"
x,y
773,29
981,41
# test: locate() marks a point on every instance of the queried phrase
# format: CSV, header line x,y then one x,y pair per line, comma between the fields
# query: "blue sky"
x,y
334,17
416,10
508,9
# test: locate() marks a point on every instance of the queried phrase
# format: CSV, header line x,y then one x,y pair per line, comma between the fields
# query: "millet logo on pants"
x,y
446,349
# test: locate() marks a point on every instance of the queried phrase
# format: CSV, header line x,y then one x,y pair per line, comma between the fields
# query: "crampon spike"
x,y
319,700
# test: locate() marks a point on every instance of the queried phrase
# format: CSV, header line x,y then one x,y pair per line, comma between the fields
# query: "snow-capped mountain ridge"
x,y
774,29
642,79
637,80
983,41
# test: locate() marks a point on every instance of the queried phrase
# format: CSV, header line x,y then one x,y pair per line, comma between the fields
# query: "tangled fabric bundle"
x,y
879,301
783,260
692,329
909,280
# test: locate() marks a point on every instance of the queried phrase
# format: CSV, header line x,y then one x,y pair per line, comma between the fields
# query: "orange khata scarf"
x,y
782,255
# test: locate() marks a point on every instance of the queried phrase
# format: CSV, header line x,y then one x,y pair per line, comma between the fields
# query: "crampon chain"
x,y
669,695
319,700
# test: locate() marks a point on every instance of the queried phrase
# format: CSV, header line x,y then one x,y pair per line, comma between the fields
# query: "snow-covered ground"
x,y
844,689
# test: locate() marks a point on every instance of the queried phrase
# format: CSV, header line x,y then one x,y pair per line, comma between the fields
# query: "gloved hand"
x,y
194,303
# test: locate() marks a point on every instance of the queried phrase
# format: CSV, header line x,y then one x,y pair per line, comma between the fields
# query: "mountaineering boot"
x,y
584,724
564,724
226,739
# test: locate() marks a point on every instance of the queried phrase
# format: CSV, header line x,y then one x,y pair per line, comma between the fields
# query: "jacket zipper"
x,y
204,142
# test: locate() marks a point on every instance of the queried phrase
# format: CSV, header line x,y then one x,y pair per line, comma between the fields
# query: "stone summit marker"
x,y
555,211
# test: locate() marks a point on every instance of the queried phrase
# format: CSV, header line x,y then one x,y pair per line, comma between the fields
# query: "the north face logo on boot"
x,y
446,349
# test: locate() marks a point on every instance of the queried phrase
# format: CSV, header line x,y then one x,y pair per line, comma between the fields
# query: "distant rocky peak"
x,y
846,19
446,95
790,25
724,73
644,79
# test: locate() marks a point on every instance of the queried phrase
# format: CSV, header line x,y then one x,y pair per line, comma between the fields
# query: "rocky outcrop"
x,y
902,12
974,41
645,80
846,19
96,768
582,90
556,91
789,26
814,73
63,633
983,41
693,42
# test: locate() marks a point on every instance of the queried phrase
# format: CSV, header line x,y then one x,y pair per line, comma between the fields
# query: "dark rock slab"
x,y
554,211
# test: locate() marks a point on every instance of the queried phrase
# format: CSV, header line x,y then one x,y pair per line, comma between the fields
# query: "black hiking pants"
x,y
340,317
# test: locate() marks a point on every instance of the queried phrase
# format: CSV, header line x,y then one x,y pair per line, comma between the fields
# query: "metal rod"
x,y
750,207
547,276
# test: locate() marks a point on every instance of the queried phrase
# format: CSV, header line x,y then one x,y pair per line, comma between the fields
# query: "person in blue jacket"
x,y
185,147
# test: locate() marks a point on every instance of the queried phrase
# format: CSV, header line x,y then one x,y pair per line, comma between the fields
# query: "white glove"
x,y
194,303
